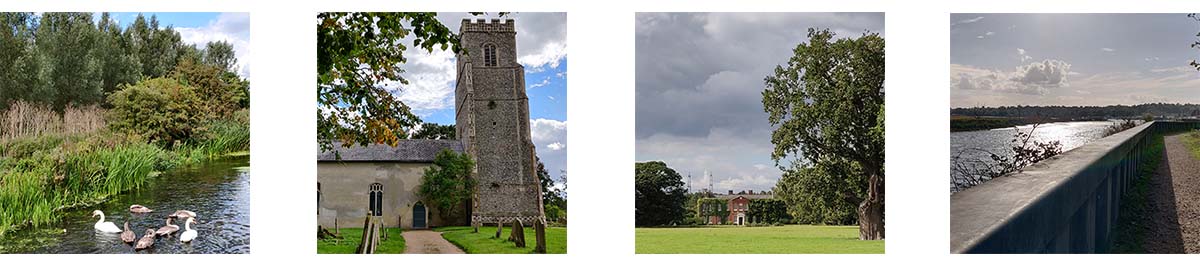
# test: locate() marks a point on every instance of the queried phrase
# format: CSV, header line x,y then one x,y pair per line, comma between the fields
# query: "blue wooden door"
x,y
419,216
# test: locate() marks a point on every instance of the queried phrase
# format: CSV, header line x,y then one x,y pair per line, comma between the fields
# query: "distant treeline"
x,y
970,123
73,59
1083,112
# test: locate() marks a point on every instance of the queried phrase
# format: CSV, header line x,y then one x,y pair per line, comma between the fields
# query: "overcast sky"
x,y
541,48
699,89
1072,59
199,28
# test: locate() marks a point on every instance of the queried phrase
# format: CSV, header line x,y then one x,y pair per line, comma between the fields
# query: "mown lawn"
x,y
754,240
351,237
484,243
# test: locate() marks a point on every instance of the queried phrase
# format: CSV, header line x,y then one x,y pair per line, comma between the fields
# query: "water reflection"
x,y
975,145
218,191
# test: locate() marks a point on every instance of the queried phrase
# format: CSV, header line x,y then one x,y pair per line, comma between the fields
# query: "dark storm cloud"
x,y
697,71
699,83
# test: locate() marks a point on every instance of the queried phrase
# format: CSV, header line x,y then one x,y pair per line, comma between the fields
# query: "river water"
x,y
975,145
218,191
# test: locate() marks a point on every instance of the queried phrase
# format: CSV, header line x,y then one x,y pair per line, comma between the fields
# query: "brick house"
x,y
731,208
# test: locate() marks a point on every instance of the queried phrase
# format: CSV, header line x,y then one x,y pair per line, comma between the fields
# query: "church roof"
x,y
404,151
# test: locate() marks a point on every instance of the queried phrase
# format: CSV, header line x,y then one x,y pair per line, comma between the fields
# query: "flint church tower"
x,y
492,122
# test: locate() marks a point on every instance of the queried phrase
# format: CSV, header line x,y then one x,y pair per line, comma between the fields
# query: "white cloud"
x,y
1031,79
1024,57
1108,49
229,27
551,138
967,21
544,82
734,163
551,54
431,81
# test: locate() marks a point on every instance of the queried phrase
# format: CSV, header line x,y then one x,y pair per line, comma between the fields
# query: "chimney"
x,y
751,192
730,192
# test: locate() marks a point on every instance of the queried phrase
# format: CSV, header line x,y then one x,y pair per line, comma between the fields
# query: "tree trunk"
x,y
870,212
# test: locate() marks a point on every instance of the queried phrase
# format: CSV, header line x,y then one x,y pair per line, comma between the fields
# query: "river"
x,y
974,145
218,191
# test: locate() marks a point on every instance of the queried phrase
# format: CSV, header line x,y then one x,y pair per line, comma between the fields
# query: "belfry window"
x,y
489,55
376,201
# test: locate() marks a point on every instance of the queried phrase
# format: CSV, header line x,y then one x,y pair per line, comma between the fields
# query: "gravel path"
x,y
1174,202
427,242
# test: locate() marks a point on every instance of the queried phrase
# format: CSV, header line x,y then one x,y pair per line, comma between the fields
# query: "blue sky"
x,y
1072,59
199,28
547,90
178,19
541,49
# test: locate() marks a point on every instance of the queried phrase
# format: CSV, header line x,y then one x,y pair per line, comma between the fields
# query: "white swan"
x,y
107,227
188,234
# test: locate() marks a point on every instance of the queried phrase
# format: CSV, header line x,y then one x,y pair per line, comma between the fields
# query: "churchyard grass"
x,y
351,237
484,242
760,240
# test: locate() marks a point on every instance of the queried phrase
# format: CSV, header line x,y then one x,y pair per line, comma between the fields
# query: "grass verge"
x,y
484,243
352,237
789,239
1192,140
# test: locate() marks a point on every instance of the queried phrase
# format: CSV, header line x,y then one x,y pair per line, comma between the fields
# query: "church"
x,y
492,126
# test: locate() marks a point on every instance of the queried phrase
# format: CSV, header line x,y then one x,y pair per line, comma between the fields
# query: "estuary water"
x,y
218,191
975,145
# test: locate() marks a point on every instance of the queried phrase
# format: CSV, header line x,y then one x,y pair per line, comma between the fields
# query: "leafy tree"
x,y
435,131
825,104
1195,44
823,193
221,55
660,194
118,66
554,200
16,36
72,70
223,91
449,183
160,109
769,211
356,53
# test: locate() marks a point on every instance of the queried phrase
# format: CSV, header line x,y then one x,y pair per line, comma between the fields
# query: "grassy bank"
x,y
352,237
1192,140
1131,228
484,242
752,240
43,174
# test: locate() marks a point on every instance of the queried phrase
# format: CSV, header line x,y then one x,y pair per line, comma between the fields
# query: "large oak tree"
x,y
826,104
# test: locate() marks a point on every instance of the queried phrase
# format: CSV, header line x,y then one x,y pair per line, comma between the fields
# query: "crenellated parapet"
x,y
486,25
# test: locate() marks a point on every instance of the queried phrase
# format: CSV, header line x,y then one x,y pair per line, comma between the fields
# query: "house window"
x,y
489,55
318,198
376,201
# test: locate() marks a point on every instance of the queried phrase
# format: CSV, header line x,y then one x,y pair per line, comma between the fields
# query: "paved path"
x,y
1174,202
427,242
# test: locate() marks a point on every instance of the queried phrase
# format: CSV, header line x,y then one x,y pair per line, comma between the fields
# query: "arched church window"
x,y
489,55
376,200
